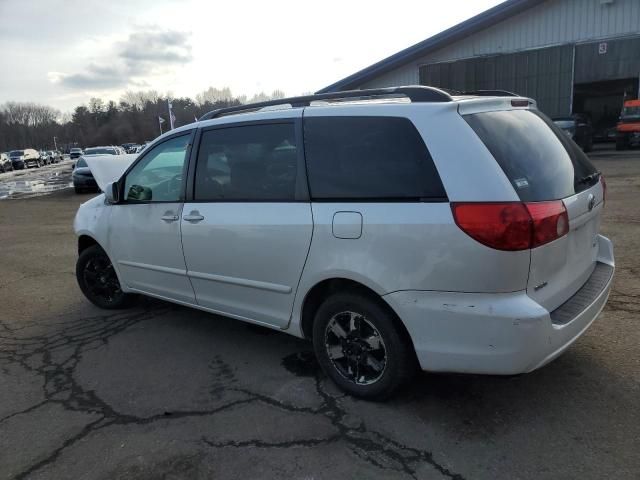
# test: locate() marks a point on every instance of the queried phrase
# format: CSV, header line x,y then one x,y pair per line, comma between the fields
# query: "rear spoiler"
x,y
471,105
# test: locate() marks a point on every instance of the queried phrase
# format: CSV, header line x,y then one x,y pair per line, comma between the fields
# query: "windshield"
x,y
631,112
16,153
100,151
81,163
76,149
540,161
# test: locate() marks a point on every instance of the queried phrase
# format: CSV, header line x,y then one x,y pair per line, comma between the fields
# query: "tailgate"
x,y
544,165
560,268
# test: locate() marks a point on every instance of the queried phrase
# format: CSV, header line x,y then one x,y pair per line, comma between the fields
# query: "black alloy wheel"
x,y
98,280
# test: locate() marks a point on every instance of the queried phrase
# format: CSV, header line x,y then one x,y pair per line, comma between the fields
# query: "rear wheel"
x,y
98,280
359,346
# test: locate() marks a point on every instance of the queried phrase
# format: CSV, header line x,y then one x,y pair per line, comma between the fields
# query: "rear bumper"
x,y
84,182
499,334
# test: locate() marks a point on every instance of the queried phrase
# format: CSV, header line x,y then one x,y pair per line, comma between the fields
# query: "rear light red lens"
x,y
512,226
519,103
503,226
550,221
604,190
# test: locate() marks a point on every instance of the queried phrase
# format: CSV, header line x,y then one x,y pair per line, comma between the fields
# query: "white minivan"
x,y
395,228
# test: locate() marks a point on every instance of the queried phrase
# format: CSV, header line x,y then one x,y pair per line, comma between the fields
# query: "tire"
x,y
98,280
588,145
621,144
77,189
383,362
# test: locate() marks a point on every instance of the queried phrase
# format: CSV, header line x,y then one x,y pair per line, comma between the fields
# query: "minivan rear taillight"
x,y
604,190
512,225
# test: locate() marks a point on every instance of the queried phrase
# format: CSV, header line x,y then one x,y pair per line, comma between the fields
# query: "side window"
x,y
158,176
369,158
247,163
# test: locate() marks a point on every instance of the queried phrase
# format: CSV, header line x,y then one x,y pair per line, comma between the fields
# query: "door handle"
x,y
193,217
169,218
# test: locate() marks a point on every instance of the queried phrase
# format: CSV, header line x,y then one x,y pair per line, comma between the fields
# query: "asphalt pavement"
x,y
162,391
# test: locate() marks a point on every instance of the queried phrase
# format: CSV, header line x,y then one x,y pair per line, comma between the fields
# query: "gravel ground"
x,y
162,391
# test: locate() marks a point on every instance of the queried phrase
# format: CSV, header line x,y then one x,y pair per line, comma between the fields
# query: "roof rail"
x,y
416,94
490,93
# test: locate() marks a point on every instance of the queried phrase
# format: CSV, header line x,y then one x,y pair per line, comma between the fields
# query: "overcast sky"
x,y
62,52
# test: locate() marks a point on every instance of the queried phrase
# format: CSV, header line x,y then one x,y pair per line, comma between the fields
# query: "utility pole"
x,y
55,144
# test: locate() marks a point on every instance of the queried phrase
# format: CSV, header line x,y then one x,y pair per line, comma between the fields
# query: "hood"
x,y
108,168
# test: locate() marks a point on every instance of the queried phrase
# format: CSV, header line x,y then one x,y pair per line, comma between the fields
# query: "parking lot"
x,y
162,391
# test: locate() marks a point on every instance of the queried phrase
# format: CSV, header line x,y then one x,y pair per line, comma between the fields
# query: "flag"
x,y
172,117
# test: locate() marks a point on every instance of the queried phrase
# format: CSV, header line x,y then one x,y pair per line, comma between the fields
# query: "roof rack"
x,y
417,94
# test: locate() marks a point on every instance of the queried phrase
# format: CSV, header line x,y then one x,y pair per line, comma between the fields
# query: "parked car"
x,y
25,158
43,159
83,178
130,147
75,153
578,128
628,129
57,156
102,151
5,163
454,234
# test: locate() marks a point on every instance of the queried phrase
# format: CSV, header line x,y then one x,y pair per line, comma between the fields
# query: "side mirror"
x,y
112,193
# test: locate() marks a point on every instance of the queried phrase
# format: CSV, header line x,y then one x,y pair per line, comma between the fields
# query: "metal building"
x,y
572,56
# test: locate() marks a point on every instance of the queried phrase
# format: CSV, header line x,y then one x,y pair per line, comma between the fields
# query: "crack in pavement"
x,y
55,356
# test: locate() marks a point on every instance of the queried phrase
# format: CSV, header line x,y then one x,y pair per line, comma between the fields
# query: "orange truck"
x,y
628,129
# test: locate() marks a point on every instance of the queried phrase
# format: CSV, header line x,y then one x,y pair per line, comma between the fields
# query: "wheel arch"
x,y
323,289
85,241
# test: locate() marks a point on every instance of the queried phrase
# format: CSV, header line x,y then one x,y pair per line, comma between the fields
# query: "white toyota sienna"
x,y
395,228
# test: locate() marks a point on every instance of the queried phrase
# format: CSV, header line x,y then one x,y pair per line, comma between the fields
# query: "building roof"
x,y
481,21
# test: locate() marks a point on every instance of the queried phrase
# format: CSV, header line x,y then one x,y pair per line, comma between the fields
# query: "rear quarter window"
x,y
369,158
541,162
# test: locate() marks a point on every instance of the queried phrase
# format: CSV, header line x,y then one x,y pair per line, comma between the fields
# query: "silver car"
x,y
396,229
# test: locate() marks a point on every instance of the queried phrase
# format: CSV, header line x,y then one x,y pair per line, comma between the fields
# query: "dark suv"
x,y
578,127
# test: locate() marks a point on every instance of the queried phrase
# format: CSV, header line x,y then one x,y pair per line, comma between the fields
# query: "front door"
x,y
145,240
247,230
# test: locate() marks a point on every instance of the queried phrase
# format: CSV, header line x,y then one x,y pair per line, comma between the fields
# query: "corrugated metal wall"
x,y
551,23
544,74
621,60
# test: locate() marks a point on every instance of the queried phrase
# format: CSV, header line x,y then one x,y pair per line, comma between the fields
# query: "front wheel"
x,y
360,347
98,280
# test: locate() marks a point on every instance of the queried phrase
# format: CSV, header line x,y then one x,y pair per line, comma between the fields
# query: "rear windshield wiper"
x,y
589,178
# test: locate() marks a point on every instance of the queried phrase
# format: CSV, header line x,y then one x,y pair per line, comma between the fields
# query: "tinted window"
x,y
541,161
100,151
373,158
257,162
158,176
81,163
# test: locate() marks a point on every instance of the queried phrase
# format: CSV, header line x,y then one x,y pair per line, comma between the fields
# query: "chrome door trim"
x,y
272,287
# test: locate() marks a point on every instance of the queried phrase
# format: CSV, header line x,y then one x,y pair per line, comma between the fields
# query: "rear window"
x,y
369,158
100,151
541,161
16,153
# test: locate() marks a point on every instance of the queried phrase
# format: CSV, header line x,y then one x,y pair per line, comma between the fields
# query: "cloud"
x,y
157,47
145,53
94,77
